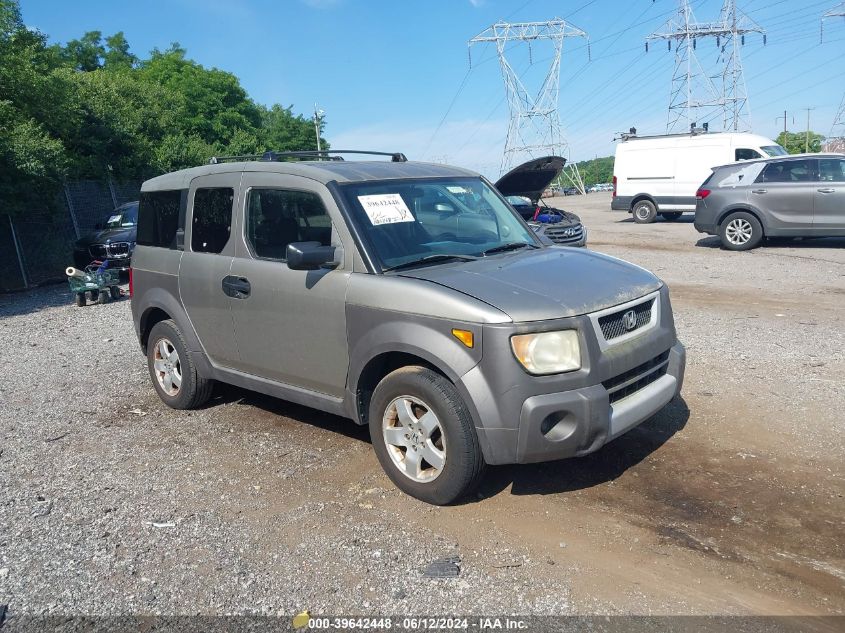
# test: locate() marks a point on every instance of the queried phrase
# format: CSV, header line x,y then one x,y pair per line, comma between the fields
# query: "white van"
x,y
660,174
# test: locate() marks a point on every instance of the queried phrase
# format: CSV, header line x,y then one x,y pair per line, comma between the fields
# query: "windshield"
x,y
774,150
123,217
406,221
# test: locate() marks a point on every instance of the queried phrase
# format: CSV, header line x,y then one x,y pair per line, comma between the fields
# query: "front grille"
x,y
564,234
116,250
98,251
631,381
614,325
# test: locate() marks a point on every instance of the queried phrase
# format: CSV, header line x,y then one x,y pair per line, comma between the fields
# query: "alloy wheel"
x,y
739,231
168,367
414,439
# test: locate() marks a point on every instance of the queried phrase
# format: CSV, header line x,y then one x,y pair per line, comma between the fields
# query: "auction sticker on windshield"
x,y
387,208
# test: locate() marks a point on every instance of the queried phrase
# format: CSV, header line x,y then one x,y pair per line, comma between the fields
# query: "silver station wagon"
x,y
406,296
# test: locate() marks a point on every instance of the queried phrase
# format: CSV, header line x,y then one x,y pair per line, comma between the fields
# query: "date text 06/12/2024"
x,y
418,623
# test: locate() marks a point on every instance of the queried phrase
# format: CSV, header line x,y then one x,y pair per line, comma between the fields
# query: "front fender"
x,y
372,332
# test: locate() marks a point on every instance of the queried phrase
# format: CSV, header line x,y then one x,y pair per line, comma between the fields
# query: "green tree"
x,y
86,53
79,109
212,103
285,132
117,55
800,142
32,157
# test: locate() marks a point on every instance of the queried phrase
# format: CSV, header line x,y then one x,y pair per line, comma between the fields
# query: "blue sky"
x,y
395,75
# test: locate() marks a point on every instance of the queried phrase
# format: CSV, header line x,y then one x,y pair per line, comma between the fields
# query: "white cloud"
x,y
477,3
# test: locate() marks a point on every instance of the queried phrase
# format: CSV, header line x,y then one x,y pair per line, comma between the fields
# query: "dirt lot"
x,y
729,501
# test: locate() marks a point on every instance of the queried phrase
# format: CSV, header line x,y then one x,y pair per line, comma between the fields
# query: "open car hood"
x,y
532,178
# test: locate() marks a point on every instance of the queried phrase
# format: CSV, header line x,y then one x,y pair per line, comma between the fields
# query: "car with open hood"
x,y
408,297
523,188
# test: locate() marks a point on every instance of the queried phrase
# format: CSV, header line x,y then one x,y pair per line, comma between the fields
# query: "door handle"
x,y
759,190
236,287
826,190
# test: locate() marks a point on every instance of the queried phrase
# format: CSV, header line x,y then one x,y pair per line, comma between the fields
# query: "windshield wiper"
x,y
430,259
510,246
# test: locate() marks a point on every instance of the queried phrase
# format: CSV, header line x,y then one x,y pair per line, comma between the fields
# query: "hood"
x,y
548,283
531,179
108,235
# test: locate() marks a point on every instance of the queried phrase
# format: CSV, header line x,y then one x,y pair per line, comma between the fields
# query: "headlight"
x,y
548,352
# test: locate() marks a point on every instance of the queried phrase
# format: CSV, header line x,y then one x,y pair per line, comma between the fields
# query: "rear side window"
x,y
158,218
211,219
832,169
742,153
787,171
277,217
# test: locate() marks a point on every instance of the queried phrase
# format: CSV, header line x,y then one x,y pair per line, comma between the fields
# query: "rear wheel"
x,y
644,212
115,292
103,296
671,215
740,231
423,436
173,373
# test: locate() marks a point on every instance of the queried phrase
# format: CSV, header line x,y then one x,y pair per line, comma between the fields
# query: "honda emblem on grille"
x,y
629,320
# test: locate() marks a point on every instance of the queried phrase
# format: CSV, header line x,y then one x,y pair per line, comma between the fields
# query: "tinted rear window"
x,y
787,171
158,218
212,219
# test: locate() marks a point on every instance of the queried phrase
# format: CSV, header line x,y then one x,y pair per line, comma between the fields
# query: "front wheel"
x,y
644,212
424,437
740,231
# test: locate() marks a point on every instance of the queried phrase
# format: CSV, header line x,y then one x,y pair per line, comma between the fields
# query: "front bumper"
x,y
578,422
522,418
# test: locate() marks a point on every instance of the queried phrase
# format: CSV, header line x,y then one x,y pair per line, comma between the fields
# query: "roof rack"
x,y
396,157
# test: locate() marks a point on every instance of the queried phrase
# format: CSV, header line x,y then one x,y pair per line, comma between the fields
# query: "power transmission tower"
x,y
534,127
836,138
694,97
836,12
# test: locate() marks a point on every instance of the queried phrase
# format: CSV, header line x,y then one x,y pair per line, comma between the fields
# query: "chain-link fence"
x,y
37,247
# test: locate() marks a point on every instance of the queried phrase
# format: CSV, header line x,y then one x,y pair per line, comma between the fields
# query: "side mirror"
x,y
310,256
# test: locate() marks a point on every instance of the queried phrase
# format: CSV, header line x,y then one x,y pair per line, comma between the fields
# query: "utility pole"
x,y
694,98
318,117
807,138
784,121
534,128
836,12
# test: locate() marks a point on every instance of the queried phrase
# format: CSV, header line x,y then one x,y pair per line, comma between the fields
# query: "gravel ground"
x,y
729,501
113,504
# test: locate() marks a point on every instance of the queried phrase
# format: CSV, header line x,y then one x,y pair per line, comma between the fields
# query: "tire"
x,y
79,299
740,231
644,212
93,295
671,216
448,437
103,296
191,390
115,293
